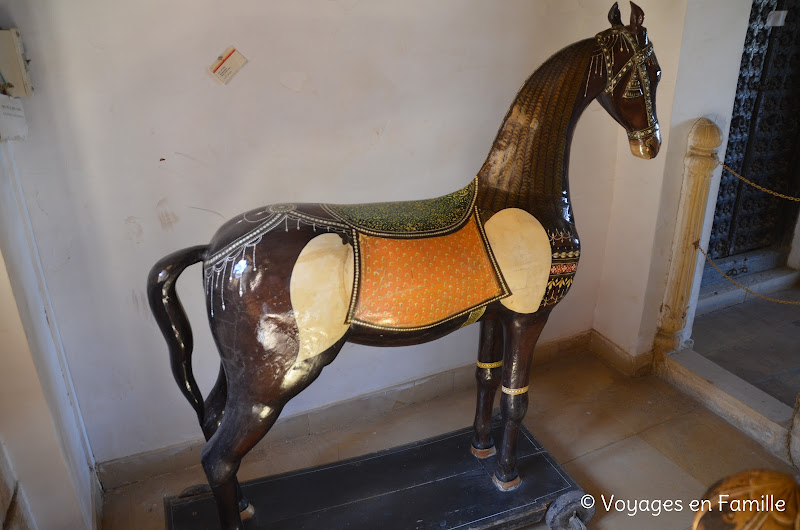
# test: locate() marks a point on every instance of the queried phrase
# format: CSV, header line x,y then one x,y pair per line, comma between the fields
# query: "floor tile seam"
x,y
667,456
735,309
742,324
586,454
697,407
569,401
588,398
722,350
352,425
736,371
261,451
708,353
574,399
380,417
697,479
774,338
694,407
793,371
665,420
752,337
669,459
759,316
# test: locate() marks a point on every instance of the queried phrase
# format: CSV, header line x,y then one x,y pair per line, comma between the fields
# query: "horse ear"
x,y
613,15
637,15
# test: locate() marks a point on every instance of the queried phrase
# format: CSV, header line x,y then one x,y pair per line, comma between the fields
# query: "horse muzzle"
x,y
645,146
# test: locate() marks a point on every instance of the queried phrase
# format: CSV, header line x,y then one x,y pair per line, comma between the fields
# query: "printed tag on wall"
x,y
12,119
227,64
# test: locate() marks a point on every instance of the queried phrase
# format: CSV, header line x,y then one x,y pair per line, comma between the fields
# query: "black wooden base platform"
x,y
432,484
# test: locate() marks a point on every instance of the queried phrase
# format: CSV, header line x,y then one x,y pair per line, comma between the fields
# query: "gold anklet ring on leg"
x,y
498,364
514,391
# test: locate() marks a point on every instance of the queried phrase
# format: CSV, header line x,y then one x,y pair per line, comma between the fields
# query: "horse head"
x,y
632,75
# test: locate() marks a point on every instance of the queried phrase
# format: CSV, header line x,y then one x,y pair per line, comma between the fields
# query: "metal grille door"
x,y
764,137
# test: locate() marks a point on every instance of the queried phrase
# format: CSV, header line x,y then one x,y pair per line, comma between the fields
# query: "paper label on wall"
x,y
227,64
776,18
12,119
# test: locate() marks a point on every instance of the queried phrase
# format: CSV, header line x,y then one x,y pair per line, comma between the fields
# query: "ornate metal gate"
x,y
764,138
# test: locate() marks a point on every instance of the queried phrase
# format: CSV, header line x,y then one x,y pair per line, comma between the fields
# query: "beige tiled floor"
x,y
630,438
756,340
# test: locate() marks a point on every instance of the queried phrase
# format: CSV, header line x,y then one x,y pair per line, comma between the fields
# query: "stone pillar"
x,y
700,162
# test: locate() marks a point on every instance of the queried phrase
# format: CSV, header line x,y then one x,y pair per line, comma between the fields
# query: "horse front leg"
x,y
521,333
488,375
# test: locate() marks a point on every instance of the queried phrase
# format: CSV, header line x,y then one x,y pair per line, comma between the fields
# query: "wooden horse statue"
x,y
288,284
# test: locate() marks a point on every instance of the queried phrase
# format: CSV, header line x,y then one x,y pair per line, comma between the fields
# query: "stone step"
x,y
724,294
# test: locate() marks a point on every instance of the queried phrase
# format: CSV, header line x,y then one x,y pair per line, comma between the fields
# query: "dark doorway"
x,y
752,230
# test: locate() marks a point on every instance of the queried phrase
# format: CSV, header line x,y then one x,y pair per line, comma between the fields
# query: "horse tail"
x,y
172,319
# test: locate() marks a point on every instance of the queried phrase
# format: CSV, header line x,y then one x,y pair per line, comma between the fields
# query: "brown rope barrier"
x,y
739,285
762,188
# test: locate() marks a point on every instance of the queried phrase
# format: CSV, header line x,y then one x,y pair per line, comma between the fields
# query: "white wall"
x,y
710,35
342,101
27,429
635,216
706,87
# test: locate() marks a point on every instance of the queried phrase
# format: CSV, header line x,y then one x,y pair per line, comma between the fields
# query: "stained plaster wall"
x,y
341,101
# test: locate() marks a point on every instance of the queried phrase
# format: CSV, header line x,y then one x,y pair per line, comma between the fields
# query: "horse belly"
x,y
320,288
522,249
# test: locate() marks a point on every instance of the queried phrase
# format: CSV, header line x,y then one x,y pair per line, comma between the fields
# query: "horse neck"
x,y
527,165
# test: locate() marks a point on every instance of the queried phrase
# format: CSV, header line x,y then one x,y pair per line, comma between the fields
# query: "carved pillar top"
x,y
704,137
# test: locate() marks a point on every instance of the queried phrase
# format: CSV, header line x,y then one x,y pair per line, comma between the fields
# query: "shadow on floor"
x,y
618,437
757,340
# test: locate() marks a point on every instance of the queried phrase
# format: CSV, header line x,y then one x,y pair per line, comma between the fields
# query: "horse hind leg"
x,y
214,408
250,411
488,375
239,431
522,332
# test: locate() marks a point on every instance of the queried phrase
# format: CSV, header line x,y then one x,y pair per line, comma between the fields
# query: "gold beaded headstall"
x,y
639,83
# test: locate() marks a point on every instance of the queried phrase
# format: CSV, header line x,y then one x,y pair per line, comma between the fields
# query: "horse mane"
x,y
527,164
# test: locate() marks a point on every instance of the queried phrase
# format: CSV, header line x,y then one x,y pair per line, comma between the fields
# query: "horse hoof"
x,y
247,513
482,453
506,486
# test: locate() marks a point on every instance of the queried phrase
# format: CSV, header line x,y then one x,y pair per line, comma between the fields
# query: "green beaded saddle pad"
x,y
408,218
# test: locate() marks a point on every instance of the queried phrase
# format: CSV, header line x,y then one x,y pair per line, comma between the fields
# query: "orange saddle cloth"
x,y
411,284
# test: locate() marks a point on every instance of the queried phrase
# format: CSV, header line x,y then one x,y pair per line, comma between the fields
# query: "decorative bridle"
x,y
639,83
